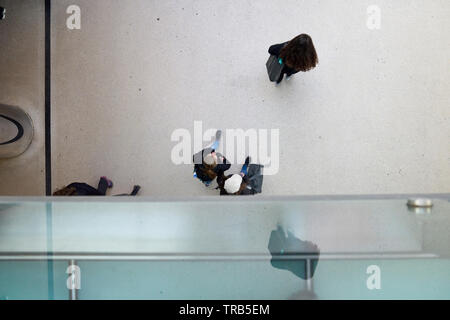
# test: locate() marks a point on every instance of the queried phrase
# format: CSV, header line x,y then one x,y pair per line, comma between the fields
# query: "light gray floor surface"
x,y
372,118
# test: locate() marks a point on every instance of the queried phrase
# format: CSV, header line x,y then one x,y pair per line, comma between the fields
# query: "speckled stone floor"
x,y
372,118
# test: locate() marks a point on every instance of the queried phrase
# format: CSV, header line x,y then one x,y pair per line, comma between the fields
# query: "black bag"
x,y
274,68
255,177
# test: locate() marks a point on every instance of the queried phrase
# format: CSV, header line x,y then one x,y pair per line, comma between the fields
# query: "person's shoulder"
x,y
273,49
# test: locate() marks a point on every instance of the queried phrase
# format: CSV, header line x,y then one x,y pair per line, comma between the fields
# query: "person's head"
x,y
210,160
300,53
66,191
233,184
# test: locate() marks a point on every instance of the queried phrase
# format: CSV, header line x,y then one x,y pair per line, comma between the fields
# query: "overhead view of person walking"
x,y
291,57
209,164
83,189
247,182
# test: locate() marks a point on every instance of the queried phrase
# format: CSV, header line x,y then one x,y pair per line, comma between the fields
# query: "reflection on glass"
x,y
295,255
282,246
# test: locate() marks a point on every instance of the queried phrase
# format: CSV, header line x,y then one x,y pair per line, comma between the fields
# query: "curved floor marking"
x,y
19,131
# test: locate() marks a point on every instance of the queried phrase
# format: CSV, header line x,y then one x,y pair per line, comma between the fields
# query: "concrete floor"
x,y
372,118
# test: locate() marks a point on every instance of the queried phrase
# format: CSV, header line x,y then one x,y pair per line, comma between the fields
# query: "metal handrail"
x,y
209,257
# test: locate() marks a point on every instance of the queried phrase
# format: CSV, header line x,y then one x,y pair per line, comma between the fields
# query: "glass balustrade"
x,y
224,248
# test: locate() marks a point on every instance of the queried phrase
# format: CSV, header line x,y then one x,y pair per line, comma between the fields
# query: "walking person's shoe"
x,y
135,190
2,13
216,142
110,183
207,183
218,135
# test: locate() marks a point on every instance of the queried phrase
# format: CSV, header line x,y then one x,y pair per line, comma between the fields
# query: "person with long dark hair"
x,y
296,55
209,164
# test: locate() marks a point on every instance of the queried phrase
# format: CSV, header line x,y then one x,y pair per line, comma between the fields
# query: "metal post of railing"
x,y
309,280
74,280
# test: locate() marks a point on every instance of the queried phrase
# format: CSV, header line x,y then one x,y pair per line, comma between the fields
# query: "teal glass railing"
x,y
366,247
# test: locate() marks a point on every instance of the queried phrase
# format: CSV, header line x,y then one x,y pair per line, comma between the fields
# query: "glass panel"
x,y
234,248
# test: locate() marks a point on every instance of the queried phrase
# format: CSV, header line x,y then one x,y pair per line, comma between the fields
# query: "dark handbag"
x,y
255,177
274,68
